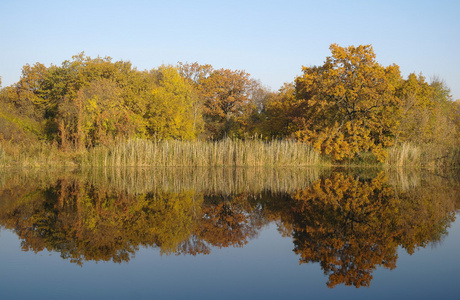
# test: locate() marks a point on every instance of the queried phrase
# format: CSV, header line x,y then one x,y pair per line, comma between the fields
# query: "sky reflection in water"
x,y
160,238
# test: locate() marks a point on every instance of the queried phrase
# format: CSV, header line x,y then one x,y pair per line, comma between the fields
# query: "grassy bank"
x,y
36,155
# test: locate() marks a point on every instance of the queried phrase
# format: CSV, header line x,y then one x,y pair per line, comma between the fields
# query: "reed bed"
x,y
404,155
223,153
425,156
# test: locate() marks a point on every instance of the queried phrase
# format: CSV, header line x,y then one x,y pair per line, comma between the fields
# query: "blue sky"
x,y
271,40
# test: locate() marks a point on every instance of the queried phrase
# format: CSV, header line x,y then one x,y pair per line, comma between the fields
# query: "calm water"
x,y
229,234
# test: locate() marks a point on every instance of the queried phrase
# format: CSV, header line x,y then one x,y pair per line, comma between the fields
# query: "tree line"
x,y
348,106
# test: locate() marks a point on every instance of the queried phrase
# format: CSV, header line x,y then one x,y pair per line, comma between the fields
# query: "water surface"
x,y
229,233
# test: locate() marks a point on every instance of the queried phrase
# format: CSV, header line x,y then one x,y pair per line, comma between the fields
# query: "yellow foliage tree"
x,y
347,105
427,120
170,110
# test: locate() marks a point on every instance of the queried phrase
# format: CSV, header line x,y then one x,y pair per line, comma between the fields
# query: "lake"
x,y
228,233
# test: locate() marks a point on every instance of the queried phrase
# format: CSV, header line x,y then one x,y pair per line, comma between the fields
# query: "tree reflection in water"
x,y
350,224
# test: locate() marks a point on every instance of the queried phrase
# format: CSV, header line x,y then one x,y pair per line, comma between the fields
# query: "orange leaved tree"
x,y
348,104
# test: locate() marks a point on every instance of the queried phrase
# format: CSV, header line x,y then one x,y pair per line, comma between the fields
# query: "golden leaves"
x,y
349,102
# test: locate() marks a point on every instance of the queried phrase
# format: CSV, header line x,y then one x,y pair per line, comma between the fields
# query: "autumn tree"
x,y
348,223
171,109
427,118
66,93
347,105
426,111
194,72
98,115
229,100
28,91
277,113
22,117
415,95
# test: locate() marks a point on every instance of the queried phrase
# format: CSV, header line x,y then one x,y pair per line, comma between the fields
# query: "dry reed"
x,y
223,153
404,155
425,156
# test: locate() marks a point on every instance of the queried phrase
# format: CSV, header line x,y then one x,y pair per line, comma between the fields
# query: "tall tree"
x,y
170,109
228,102
277,113
427,117
347,105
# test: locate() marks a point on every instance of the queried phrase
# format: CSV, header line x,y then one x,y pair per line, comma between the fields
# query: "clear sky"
x,y
271,40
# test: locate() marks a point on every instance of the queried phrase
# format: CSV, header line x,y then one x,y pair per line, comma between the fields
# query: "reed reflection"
x,y
349,223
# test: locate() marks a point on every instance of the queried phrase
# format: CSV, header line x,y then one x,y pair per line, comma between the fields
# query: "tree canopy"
x,y
345,107
348,104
